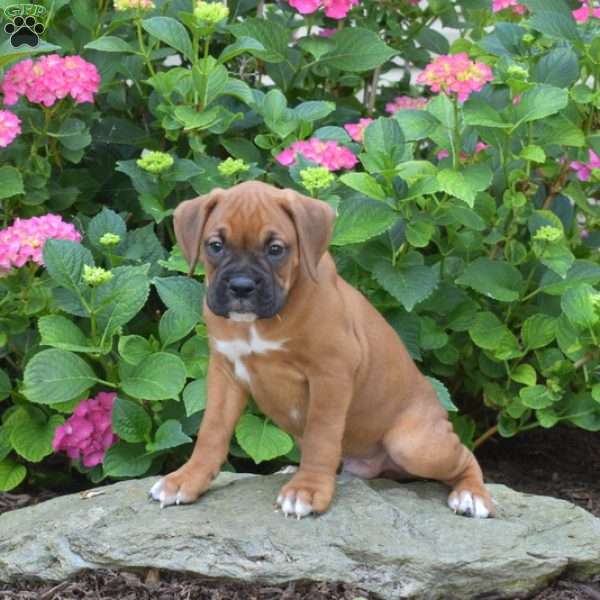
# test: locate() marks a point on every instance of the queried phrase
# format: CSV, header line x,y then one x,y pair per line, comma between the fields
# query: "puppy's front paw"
x,y
179,487
306,494
470,504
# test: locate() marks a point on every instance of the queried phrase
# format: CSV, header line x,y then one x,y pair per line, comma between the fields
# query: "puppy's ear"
x,y
189,219
313,220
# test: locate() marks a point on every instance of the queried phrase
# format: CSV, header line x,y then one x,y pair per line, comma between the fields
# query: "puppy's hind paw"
x,y
294,506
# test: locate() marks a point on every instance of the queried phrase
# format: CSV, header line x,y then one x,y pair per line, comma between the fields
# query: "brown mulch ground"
x,y
563,463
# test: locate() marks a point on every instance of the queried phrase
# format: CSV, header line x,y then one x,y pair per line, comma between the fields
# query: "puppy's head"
x,y
256,242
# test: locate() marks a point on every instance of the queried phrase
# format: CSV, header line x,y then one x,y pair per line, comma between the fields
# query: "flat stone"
x,y
397,540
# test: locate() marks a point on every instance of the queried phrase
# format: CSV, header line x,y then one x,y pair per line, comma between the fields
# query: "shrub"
x,y
464,176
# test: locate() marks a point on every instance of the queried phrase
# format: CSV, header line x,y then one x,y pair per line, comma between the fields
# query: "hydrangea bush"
x,y
463,165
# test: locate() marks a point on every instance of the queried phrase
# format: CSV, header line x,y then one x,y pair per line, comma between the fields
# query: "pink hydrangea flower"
x,y
334,9
327,31
584,170
328,154
87,433
10,127
455,74
585,12
514,5
356,130
24,240
405,102
51,78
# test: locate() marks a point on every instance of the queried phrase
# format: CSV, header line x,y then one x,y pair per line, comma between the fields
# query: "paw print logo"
x,y
25,24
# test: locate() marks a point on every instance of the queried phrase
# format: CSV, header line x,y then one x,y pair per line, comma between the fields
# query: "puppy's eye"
x,y
275,249
215,247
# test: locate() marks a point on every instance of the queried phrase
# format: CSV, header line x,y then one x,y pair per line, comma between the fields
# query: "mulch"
x,y
561,462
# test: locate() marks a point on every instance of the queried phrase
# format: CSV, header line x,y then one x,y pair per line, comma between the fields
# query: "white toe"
x,y
469,505
465,506
302,509
290,505
481,512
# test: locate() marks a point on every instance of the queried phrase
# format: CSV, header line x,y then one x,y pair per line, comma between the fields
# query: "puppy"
x,y
317,358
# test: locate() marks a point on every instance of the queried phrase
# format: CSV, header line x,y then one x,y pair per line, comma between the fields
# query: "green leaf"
x,y
171,32
134,348
31,433
11,182
5,445
11,474
344,56
5,385
524,374
194,396
410,285
538,331
159,376
169,435
540,102
64,262
419,232
596,392
551,19
313,110
533,153
182,294
126,460
59,332
175,324
578,304
260,439
360,219
466,183
559,68
495,279
110,43
130,421
54,376
416,124
383,136
270,34
537,396
489,333
120,299
106,221
364,183
240,46
582,271
481,114
193,119
443,395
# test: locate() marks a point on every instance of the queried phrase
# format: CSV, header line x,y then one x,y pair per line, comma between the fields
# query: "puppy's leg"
x,y
311,489
224,405
423,443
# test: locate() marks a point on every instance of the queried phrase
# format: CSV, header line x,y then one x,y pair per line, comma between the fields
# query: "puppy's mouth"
x,y
243,317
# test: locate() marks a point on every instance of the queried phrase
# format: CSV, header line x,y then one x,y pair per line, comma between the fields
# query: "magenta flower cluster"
x,y
404,103
10,127
328,154
455,74
357,130
51,78
24,240
334,9
586,12
514,5
584,169
87,433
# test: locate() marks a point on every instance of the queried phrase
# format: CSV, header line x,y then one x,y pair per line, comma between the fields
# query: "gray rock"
x,y
398,540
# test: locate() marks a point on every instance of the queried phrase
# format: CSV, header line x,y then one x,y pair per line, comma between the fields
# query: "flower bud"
x,y
528,39
211,12
95,276
155,162
110,239
121,5
316,178
230,167
547,233
518,72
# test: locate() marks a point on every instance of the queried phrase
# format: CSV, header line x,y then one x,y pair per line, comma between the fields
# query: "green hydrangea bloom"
x,y
316,178
155,162
230,167
211,12
110,239
547,233
518,71
96,275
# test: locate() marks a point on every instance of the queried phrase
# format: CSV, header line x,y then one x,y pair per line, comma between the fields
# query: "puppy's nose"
x,y
242,287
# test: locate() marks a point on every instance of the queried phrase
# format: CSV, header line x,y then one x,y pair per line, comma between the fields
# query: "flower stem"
x,y
457,143
143,50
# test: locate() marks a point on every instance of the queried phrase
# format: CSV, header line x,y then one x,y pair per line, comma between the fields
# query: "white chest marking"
x,y
235,350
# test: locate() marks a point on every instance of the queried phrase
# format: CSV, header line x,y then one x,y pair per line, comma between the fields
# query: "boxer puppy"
x,y
317,358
